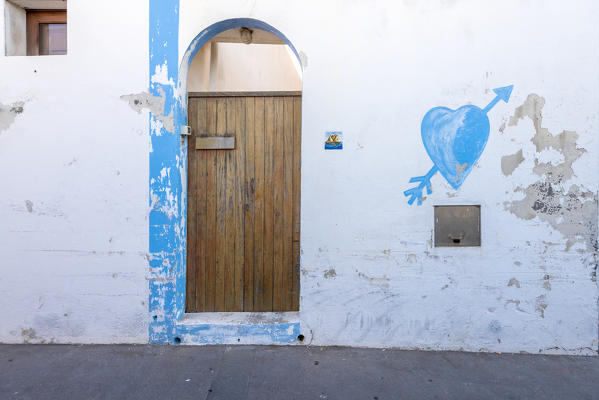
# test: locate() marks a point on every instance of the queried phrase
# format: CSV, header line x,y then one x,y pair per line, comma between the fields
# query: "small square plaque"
x,y
333,141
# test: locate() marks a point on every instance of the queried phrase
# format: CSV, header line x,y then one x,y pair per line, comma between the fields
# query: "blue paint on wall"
x,y
168,214
454,141
283,333
165,232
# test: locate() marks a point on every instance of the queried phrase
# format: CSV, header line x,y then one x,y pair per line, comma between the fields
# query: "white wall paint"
x,y
79,154
374,69
73,268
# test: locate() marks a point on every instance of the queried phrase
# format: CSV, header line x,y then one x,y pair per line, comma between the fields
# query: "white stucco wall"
x,y
75,174
370,276
74,191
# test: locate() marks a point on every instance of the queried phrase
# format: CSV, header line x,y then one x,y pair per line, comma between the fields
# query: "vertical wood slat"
x,y
221,208
229,238
278,185
239,154
268,256
211,216
247,247
192,181
297,151
201,223
259,170
287,237
249,208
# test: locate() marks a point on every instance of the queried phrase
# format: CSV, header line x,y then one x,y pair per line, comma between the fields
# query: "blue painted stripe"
x,y
165,234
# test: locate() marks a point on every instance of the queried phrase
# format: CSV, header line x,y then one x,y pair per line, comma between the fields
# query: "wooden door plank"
x,y
201,197
259,133
269,133
287,237
230,207
246,203
297,152
211,208
278,195
221,207
249,209
239,154
192,183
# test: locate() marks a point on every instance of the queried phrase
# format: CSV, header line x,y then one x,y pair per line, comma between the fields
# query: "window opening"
x,y
35,32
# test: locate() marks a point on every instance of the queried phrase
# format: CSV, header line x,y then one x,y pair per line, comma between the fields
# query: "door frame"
x,y
168,199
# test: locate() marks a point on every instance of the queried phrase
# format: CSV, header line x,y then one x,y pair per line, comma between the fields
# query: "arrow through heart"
x,y
454,141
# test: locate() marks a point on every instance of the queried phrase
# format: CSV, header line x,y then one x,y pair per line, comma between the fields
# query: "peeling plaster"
x,y
571,211
8,113
154,104
510,163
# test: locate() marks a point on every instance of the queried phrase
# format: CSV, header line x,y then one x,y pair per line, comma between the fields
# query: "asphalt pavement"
x,y
296,372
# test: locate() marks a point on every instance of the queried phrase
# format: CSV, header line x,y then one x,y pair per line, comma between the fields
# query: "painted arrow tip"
x,y
504,93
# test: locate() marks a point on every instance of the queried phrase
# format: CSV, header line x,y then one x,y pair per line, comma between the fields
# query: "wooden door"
x,y
243,210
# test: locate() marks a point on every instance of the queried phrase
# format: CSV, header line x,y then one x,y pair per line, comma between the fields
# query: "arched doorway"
x,y
243,180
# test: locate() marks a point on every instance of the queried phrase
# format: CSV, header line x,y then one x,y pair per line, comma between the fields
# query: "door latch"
x,y
186,130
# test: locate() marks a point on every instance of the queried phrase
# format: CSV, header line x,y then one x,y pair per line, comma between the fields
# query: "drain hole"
x,y
456,241
300,338
177,340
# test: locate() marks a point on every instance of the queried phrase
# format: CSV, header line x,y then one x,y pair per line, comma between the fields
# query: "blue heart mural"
x,y
454,141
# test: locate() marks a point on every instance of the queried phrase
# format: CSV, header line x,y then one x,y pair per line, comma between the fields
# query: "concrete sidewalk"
x,y
255,372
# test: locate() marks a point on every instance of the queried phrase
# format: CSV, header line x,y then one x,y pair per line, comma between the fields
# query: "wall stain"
x,y
380,282
30,336
571,211
8,113
514,282
330,273
303,59
540,305
516,302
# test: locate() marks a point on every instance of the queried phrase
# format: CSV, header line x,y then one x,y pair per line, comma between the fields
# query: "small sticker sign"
x,y
333,141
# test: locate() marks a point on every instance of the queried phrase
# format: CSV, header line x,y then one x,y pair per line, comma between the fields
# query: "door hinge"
x,y
186,130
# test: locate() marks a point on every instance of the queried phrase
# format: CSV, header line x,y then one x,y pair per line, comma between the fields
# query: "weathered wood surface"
x,y
244,203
